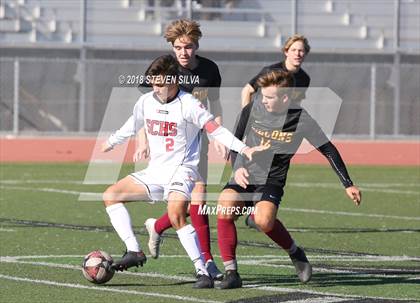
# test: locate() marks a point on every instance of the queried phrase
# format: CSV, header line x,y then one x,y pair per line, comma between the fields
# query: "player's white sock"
x,y
120,220
189,241
230,265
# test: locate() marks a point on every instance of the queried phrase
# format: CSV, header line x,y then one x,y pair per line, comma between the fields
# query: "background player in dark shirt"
x,y
281,124
295,50
200,77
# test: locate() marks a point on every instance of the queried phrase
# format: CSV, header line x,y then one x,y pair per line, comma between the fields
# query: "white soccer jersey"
x,y
173,129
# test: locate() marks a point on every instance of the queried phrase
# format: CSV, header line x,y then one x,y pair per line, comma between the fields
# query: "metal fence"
x,y
64,96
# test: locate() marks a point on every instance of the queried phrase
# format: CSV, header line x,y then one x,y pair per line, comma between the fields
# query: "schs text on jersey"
x,y
161,128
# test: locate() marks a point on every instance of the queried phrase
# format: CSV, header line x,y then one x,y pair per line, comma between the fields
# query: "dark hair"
x,y
163,66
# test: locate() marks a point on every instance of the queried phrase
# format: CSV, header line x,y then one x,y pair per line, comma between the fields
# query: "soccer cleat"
x,y
213,271
302,265
251,223
154,238
203,281
231,280
130,259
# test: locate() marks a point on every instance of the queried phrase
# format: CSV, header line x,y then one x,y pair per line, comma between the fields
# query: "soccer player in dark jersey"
x,y
200,77
280,123
295,49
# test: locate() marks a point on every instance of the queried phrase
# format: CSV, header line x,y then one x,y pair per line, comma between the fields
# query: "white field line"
x,y
7,230
369,258
312,292
98,196
354,273
331,184
367,188
342,213
116,290
319,299
15,259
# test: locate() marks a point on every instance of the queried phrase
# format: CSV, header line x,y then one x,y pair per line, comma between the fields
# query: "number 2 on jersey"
x,y
169,144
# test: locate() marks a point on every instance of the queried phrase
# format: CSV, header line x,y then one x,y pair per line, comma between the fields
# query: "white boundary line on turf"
x,y
305,210
117,290
342,213
14,259
297,183
7,230
368,258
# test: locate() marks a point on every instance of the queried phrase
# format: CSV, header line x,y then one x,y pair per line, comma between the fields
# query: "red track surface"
x,y
58,149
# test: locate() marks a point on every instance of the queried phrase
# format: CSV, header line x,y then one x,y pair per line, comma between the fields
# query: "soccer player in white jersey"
x,y
173,120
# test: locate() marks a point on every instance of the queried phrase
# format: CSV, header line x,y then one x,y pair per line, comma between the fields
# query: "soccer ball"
x,y
96,267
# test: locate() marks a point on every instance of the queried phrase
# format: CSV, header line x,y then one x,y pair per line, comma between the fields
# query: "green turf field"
x,y
369,253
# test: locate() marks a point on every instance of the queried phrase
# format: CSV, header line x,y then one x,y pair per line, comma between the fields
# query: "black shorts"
x,y
261,192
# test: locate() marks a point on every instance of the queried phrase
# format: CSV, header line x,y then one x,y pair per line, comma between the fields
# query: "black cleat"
x,y
203,281
230,280
130,259
302,265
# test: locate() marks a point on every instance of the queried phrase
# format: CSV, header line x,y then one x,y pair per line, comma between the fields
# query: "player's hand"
x,y
249,151
241,177
142,152
355,194
220,149
106,147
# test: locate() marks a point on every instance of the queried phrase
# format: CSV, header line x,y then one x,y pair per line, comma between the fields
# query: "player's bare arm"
x,y
246,95
142,149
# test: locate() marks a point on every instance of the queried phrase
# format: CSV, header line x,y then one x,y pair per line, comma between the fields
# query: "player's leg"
x,y
227,237
177,210
200,221
114,197
265,218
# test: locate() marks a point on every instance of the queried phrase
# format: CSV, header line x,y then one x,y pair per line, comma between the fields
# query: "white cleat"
x,y
154,238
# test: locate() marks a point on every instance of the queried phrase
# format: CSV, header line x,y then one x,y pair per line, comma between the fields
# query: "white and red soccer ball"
x,y
96,267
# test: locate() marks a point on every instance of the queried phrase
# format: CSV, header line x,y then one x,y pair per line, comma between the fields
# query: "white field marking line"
x,y
342,213
6,230
323,185
133,292
67,266
332,184
312,292
17,182
181,278
212,203
340,258
243,262
319,299
363,188
51,190
325,270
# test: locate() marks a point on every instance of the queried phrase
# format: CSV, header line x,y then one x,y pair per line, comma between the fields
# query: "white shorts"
x,y
160,182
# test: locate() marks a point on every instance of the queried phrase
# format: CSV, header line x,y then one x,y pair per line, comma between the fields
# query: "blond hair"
x,y
295,38
183,27
276,78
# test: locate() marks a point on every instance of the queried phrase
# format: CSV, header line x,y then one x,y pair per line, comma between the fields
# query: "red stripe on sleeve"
x,y
211,126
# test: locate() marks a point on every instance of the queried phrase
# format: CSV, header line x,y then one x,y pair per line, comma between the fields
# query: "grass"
x,y
371,251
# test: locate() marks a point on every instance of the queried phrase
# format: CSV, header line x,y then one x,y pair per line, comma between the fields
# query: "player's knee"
x,y
177,219
264,224
107,195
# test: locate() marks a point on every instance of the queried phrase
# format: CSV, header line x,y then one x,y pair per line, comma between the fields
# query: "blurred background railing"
x,y
60,59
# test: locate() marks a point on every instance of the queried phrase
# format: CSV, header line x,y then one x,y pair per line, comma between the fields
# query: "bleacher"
x,y
262,25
